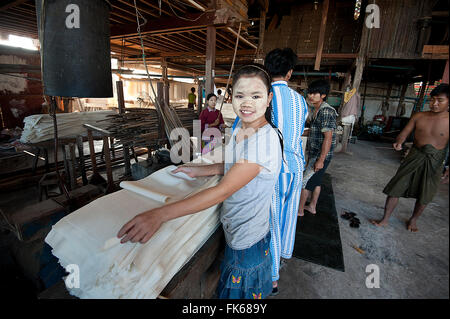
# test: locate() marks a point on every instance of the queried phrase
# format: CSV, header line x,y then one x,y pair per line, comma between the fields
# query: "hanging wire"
x,y
232,66
193,20
168,114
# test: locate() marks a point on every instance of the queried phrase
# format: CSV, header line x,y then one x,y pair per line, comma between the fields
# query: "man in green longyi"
x,y
421,171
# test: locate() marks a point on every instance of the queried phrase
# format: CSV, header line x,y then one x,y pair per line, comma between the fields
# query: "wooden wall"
x,y
397,37
19,97
299,30
398,34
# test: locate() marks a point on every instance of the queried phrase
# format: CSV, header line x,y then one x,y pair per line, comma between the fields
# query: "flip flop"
x,y
354,225
274,291
348,215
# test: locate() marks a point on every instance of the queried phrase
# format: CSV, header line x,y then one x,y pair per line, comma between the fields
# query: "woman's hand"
x,y
191,171
142,227
215,123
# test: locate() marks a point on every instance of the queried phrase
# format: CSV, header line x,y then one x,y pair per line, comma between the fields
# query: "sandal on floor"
x,y
274,291
348,215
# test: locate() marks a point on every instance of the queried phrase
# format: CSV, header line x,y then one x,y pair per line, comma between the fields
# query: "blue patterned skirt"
x,y
246,273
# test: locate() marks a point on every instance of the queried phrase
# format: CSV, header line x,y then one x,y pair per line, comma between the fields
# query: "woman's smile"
x,y
246,113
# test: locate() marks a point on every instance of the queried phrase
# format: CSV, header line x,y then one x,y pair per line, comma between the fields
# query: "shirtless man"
x,y
419,174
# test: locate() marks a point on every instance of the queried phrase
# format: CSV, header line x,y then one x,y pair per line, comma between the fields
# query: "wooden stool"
x,y
49,179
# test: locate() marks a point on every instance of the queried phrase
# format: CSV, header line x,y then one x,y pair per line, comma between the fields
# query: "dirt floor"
x,y
411,265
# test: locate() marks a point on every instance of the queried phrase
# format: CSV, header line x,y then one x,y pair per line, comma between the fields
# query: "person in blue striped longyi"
x,y
289,115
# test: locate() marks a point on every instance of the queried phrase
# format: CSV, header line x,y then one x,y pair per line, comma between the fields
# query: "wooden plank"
x,y
435,52
323,27
336,56
199,277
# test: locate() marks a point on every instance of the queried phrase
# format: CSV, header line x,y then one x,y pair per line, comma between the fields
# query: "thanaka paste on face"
x,y
212,102
250,94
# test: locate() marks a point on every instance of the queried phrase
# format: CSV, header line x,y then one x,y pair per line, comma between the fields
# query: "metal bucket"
x,y
75,57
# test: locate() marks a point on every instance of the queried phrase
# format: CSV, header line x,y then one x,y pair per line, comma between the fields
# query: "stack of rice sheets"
x,y
109,269
39,127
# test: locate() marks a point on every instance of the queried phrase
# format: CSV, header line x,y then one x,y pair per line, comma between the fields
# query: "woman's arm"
x,y
203,170
142,227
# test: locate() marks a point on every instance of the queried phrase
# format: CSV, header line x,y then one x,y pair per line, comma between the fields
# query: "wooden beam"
x,y
184,68
334,56
210,59
139,8
156,7
197,5
241,38
202,20
12,4
323,27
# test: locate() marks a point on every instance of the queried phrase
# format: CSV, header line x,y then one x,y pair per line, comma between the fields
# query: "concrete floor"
x,y
412,265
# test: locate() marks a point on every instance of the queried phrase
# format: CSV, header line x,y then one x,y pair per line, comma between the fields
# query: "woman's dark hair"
x,y
256,69
319,86
280,61
440,89
210,95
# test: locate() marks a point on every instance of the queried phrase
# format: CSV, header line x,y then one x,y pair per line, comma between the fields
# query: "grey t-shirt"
x,y
245,214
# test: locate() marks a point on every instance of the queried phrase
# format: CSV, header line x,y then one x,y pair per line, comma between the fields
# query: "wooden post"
x,y
210,58
92,151
72,166
401,106
160,98
421,97
445,75
81,159
361,118
200,98
108,163
126,150
120,98
361,59
165,79
262,29
385,107
323,27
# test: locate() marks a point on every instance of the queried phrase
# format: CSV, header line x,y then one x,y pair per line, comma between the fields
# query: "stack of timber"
x,y
140,126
